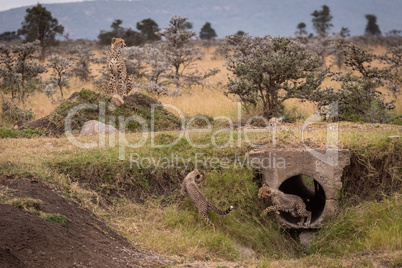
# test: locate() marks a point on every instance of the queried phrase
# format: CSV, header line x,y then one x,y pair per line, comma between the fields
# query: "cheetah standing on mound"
x,y
120,82
285,202
203,205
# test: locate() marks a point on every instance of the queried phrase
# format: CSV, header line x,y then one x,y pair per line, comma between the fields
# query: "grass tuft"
x,y
373,226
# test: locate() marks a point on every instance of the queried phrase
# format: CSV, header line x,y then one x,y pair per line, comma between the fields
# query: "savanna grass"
x,y
373,226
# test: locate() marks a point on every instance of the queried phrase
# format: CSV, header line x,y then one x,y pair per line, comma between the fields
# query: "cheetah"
x,y
203,205
275,121
285,202
120,82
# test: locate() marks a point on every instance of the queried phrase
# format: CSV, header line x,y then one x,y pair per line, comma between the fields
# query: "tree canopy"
x,y
322,20
131,37
207,32
301,29
148,29
39,25
372,28
178,51
269,70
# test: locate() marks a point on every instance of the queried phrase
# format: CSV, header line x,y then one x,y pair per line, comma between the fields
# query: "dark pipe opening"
x,y
309,190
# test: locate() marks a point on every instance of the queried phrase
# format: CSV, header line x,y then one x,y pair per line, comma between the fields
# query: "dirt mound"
x,y
99,107
42,123
27,240
141,100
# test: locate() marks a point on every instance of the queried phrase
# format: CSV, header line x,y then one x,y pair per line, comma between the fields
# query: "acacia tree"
x,y
60,67
19,69
131,37
40,25
270,70
359,97
177,48
207,32
83,57
301,29
148,29
322,20
372,28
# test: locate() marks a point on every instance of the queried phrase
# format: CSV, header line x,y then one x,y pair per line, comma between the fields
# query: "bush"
x,y
15,114
359,97
256,64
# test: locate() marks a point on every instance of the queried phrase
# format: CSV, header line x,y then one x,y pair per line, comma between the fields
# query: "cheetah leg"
x,y
122,84
300,212
301,221
307,223
129,84
271,208
112,84
207,220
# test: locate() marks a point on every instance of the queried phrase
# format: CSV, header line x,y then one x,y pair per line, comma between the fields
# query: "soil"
x,y
42,123
26,240
140,100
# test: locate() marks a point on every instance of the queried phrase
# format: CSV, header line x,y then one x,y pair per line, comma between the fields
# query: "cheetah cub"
x,y
203,205
285,202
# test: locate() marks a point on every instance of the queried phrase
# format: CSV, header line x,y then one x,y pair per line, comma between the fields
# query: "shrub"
x,y
271,70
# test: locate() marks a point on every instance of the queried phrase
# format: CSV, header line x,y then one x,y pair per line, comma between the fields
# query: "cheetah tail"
x,y
222,212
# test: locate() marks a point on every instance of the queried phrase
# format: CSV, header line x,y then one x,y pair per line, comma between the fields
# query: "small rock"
x,y
94,127
306,238
117,100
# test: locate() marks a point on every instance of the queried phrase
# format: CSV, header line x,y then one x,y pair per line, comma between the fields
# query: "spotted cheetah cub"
x,y
285,202
203,205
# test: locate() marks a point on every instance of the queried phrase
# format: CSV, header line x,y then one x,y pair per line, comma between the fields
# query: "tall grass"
x,y
209,100
374,226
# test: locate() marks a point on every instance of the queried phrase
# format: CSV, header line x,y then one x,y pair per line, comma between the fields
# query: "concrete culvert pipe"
x,y
316,178
310,191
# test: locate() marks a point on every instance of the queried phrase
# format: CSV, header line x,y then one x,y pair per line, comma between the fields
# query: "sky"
x,y
8,4
277,17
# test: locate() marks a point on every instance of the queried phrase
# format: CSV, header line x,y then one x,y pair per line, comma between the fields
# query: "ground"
x,y
27,240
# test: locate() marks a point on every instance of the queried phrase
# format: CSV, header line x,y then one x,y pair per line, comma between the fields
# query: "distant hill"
x,y
257,17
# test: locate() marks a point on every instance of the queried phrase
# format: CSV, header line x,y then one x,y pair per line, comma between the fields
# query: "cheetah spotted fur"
x,y
120,82
285,202
203,205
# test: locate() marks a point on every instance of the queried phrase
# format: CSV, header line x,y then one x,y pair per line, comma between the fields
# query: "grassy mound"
x,y
90,105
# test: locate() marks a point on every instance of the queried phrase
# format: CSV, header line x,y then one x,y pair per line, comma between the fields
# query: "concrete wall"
x,y
283,169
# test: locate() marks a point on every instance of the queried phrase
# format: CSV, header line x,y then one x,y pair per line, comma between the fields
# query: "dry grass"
x,y
209,100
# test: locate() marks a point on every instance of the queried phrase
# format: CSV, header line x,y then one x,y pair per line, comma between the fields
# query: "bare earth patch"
x,y
26,240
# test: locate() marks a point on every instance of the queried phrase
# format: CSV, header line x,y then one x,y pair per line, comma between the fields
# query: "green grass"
x,y
374,226
57,218
25,133
145,205
243,226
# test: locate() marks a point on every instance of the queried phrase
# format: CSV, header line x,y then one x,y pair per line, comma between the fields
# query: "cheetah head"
x,y
264,191
118,43
197,176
